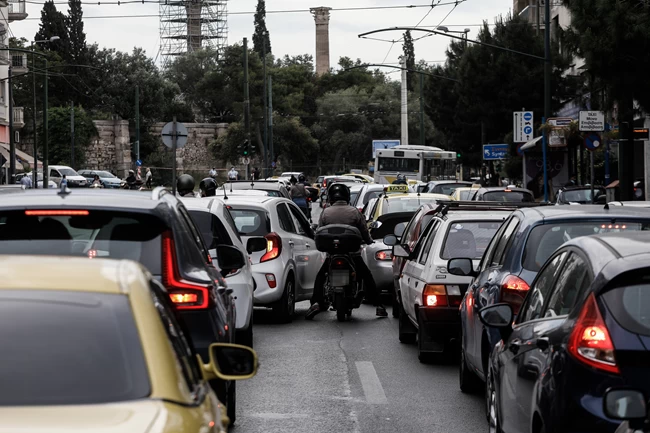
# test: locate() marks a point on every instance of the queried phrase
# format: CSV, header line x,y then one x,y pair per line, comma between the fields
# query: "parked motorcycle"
x,y
138,185
342,288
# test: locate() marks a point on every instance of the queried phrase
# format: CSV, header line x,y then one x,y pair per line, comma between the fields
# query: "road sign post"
x,y
523,126
495,152
174,136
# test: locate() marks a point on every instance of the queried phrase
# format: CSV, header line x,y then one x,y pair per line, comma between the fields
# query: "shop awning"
x,y
21,158
531,144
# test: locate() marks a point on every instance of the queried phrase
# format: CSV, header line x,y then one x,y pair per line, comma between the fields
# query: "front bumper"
x,y
438,326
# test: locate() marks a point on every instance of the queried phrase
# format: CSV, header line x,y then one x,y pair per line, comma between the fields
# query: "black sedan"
x,y
584,328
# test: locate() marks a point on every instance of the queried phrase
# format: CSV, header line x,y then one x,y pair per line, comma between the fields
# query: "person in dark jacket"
x,y
401,180
340,212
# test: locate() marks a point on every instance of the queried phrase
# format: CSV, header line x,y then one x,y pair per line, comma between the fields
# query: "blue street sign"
x,y
528,116
528,130
593,141
273,164
492,152
138,162
383,144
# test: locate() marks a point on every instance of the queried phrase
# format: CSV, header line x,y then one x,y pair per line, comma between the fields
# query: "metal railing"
x,y
17,7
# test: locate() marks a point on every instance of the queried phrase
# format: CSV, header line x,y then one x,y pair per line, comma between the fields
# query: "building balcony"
x,y
19,118
19,64
17,11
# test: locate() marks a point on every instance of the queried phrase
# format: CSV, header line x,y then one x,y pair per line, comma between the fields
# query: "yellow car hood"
x,y
133,417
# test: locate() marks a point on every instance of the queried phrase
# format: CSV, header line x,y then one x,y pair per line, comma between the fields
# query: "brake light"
x,y
383,255
183,294
339,264
434,295
273,247
513,291
56,212
590,342
270,278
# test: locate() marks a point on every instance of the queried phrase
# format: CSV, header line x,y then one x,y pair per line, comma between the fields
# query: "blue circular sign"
x,y
528,116
593,141
273,164
528,130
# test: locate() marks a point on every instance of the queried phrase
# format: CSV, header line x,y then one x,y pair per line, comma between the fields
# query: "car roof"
x,y
420,195
272,185
550,213
474,215
54,273
436,182
255,200
82,198
503,188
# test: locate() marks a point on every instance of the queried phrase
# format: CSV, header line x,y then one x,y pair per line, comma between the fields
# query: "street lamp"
x,y
446,30
35,171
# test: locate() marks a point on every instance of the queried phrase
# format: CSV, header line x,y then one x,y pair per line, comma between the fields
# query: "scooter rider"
x,y
340,212
208,187
185,185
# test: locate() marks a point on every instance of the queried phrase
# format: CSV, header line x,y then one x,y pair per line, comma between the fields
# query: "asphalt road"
x,y
325,376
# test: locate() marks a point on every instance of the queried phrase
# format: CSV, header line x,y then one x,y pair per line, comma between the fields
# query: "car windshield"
x,y
211,228
406,204
353,196
370,195
466,195
578,196
88,233
546,238
69,347
468,239
68,172
509,196
251,222
105,174
446,188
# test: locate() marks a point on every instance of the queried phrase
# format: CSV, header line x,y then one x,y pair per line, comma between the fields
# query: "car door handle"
x,y
307,245
291,243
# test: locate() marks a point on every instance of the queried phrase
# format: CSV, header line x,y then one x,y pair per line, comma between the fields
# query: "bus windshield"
x,y
408,165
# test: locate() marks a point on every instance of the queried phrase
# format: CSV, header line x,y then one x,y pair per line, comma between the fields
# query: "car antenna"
x,y
606,206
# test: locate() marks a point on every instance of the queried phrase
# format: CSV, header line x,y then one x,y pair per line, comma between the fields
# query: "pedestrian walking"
x,y
233,174
26,181
213,173
64,181
148,178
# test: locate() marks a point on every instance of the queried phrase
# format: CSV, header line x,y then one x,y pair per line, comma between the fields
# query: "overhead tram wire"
x,y
441,22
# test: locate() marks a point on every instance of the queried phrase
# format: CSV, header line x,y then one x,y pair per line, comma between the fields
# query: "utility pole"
x,y
404,111
422,139
266,114
46,174
12,145
247,110
271,121
137,122
174,145
35,170
538,13
547,86
72,135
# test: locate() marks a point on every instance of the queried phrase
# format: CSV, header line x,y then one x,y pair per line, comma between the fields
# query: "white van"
x,y
75,180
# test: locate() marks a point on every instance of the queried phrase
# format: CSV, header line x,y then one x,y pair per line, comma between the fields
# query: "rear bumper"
x,y
264,295
438,327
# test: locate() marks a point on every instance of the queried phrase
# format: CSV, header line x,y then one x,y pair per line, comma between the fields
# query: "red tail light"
x,y
273,247
339,264
590,342
183,294
513,291
434,295
383,255
56,212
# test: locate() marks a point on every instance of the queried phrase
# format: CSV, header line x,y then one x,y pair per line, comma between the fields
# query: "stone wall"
x,y
195,155
111,149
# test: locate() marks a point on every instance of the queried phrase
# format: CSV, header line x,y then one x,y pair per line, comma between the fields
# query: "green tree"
x,y
261,37
409,56
76,36
53,23
60,150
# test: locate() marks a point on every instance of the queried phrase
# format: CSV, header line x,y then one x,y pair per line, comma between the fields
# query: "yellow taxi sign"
x,y
396,189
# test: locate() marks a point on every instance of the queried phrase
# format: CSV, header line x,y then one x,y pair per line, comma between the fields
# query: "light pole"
x,y
446,30
266,109
35,171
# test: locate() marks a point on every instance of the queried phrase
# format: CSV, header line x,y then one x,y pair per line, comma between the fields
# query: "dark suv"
x,y
512,260
152,228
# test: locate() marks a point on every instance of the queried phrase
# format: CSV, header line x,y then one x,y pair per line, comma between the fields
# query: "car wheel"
x,y
469,382
407,331
286,307
491,405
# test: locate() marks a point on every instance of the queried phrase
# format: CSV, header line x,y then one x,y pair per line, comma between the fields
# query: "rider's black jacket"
x,y
342,213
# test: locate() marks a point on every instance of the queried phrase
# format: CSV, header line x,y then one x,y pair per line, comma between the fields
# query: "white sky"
x,y
292,33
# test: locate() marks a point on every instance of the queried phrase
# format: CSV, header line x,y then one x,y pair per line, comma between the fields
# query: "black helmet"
x,y
301,177
338,192
185,184
208,187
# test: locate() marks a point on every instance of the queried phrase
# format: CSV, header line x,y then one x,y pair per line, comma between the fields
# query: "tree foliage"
x,y
409,57
261,37
60,149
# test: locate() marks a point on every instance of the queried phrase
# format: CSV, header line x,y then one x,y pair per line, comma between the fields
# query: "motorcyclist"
x,y
96,181
208,187
303,180
130,179
340,212
401,180
185,185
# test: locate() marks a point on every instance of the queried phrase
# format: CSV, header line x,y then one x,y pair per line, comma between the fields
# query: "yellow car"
x,y
92,345
362,177
402,202
465,193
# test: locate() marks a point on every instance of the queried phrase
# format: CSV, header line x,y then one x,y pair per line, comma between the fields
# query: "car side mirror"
x,y
399,229
499,316
230,362
256,244
401,251
463,267
626,404
230,258
391,240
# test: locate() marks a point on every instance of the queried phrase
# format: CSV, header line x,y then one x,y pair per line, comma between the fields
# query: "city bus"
x,y
420,163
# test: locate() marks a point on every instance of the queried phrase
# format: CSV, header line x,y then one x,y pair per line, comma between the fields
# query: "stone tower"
x,y
322,18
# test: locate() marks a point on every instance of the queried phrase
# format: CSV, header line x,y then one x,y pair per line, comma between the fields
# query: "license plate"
x,y
339,278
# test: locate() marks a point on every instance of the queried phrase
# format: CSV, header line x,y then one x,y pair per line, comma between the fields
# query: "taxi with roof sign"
x,y
397,198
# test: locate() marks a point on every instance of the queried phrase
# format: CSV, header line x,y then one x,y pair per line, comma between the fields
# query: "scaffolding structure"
x,y
189,25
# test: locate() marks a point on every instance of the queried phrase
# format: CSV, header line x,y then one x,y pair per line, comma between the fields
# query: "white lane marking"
x,y
370,383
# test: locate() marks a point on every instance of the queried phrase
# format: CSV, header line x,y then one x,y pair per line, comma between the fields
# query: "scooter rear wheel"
x,y
341,308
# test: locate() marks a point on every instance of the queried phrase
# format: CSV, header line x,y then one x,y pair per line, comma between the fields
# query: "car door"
x,y
308,260
518,369
409,271
416,275
289,233
55,176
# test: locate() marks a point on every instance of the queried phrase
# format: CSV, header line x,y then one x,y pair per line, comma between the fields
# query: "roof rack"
x,y
445,206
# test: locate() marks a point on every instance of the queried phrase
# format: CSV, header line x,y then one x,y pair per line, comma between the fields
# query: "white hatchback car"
x,y
217,227
430,295
285,271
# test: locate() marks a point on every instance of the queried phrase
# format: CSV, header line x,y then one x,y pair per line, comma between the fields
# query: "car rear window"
x,y
406,204
89,233
211,228
251,222
466,195
545,239
447,188
509,196
354,196
468,239
629,301
370,195
68,347
582,196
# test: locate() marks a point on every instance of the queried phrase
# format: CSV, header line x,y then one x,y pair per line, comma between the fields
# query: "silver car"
x,y
368,192
285,271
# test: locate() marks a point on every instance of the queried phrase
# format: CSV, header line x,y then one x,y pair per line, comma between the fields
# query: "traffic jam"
x,y
138,311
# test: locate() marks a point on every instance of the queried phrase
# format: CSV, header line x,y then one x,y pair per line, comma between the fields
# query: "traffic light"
x,y
244,148
458,155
